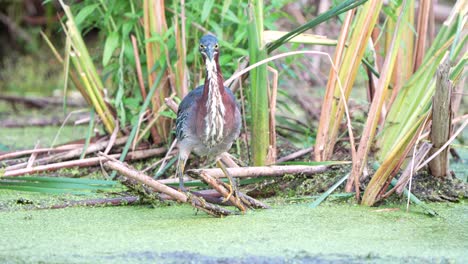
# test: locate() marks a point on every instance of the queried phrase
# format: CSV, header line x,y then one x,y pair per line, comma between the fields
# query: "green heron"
x,y
208,120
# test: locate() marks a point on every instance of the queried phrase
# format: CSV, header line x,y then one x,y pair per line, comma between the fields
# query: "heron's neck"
x,y
215,109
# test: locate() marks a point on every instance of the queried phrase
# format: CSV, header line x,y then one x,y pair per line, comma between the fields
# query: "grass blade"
x,y
329,191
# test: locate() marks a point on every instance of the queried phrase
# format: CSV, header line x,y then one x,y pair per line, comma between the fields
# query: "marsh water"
x,y
292,233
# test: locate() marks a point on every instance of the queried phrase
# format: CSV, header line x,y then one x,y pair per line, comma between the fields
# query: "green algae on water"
x,y
143,234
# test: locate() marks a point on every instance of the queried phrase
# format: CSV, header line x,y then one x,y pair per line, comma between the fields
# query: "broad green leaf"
x,y
207,6
112,42
84,13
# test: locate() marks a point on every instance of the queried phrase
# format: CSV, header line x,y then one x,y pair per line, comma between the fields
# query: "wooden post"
x,y
441,120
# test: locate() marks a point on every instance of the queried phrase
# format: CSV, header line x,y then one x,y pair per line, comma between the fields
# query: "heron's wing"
x,y
185,112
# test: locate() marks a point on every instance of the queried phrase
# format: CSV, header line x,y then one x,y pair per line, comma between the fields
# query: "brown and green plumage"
x,y
208,120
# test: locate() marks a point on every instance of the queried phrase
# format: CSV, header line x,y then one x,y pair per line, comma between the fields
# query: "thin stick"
x,y
64,122
171,104
274,91
21,153
278,56
407,174
452,138
295,155
33,157
113,138
138,67
244,119
195,25
168,156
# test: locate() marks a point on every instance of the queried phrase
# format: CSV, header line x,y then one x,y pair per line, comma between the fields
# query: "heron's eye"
x,y
216,46
202,46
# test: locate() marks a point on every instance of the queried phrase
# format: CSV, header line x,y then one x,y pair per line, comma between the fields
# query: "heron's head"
x,y
209,47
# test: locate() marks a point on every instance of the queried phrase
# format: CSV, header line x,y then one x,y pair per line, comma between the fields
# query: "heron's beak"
x,y
210,53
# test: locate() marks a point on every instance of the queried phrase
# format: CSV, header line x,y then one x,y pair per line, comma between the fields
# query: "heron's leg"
x,y
232,183
180,171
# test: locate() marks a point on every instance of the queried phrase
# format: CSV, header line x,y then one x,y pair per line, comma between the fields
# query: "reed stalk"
x,y
157,53
87,73
258,81
412,105
332,107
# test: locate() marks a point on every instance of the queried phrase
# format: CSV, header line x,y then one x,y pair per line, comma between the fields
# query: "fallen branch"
x,y
210,195
271,171
135,155
193,200
74,153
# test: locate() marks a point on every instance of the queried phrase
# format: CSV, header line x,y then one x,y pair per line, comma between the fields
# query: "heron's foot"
x,y
233,191
232,185
182,188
